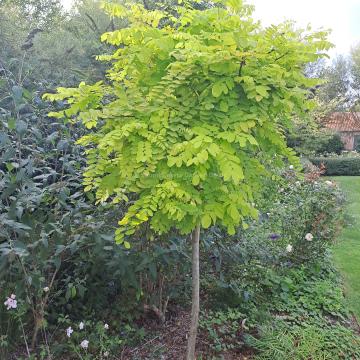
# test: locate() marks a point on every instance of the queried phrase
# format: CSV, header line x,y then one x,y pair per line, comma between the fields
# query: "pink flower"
x,y
10,302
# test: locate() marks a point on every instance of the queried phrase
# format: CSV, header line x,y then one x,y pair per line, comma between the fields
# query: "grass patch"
x,y
347,249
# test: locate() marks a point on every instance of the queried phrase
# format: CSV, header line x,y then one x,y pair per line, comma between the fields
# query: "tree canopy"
x,y
191,114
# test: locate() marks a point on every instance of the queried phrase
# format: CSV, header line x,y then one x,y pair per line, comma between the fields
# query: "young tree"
x,y
191,117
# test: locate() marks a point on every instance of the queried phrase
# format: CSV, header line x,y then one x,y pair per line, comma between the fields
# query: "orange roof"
x,y
343,121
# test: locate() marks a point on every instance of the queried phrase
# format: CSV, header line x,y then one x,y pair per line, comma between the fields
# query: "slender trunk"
x,y
195,308
38,323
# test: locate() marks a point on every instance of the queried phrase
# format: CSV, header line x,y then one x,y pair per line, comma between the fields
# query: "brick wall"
x,y
348,138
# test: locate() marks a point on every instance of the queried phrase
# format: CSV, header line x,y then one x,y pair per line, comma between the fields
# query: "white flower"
x,y
289,248
328,182
309,237
81,325
106,353
106,326
291,167
10,302
84,344
69,331
46,289
297,183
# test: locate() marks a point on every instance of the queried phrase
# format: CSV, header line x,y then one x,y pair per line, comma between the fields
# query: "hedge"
x,y
339,165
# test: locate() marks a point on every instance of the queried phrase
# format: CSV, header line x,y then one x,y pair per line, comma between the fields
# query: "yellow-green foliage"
x,y
192,112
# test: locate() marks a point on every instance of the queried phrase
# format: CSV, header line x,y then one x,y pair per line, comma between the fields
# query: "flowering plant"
x,y
11,302
306,216
91,340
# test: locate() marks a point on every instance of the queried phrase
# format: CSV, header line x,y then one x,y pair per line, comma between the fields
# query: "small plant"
x,y
224,329
92,340
316,342
306,294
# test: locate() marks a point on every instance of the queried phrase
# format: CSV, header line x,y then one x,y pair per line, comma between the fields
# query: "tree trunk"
x,y
195,308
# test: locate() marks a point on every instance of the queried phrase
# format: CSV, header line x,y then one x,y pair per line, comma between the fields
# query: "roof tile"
x,y
343,121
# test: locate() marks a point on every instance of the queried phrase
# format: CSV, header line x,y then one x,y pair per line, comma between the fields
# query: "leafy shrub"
x,y
56,247
306,218
297,227
349,166
307,140
333,145
46,220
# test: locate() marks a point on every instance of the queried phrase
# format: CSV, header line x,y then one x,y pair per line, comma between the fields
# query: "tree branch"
x,y
94,26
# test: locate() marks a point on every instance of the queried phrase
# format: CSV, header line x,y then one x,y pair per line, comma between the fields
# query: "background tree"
x,y
355,74
36,13
191,117
341,80
337,83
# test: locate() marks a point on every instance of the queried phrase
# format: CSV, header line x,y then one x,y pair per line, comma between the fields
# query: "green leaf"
x,y
12,123
206,221
196,179
217,89
17,93
73,292
234,213
224,106
262,90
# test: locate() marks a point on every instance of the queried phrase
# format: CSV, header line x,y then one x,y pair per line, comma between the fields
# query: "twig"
x,y
143,345
281,56
24,336
150,341
94,26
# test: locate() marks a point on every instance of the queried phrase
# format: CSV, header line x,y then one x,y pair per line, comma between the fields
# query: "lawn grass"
x,y
347,249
